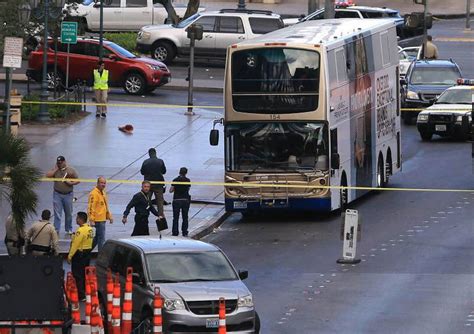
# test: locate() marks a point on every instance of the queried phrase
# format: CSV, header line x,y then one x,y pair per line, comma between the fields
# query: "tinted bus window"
x,y
275,80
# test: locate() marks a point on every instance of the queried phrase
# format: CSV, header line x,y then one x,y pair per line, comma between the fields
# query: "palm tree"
x,y
18,178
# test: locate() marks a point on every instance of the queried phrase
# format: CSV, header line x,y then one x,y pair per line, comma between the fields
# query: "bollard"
x,y
116,307
127,303
94,320
222,325
88,299
157,315
75,313
110,297
95,302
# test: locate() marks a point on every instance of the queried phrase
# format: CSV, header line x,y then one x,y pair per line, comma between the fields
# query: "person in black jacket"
x,y
153,169
181,201
141,201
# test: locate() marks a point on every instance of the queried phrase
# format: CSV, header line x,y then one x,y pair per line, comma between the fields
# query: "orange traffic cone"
x,y
222,325
127,304
157,316
75,314
116,308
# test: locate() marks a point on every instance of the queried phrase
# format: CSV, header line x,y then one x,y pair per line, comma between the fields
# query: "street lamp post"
x,y
51,9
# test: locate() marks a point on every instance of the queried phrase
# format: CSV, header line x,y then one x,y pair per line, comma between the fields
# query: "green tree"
x,y
18,177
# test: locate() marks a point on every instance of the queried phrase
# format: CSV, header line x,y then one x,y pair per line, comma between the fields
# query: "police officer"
x,y
141,201
42,237
14,236
80,252
101,88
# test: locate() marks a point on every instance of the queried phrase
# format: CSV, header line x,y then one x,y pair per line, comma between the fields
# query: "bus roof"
x,y
330,33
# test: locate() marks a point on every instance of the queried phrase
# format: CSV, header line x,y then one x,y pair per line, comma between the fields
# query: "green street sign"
x,y
69,32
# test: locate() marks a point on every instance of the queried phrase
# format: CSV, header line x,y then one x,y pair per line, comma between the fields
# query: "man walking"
x,y
141,201
431,51
42,237
101,88
14,236
98,210
80,252
181,201
153,169
63,193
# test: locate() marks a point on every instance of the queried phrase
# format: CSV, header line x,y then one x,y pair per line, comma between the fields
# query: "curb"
x,y
208,229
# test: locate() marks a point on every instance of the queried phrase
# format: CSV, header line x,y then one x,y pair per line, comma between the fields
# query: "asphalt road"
x,y
416,274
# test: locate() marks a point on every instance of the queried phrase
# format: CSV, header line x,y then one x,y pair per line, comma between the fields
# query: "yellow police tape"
x,y
263,185
169,106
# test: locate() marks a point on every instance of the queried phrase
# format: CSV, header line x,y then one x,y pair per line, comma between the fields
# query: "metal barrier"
x,y
145,327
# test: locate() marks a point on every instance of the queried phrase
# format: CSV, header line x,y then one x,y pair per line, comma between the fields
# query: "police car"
x,y
450,115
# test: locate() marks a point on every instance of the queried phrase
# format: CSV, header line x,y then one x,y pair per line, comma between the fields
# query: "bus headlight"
x,y
412,95
422,118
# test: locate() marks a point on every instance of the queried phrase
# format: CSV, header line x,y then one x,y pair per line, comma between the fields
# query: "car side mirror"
x,y
243,274
113,57
335,161
214,137
97,4
137,279
403,82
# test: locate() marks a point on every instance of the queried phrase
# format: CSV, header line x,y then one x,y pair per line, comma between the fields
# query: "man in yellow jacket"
x,y
98,211
80,252
101,88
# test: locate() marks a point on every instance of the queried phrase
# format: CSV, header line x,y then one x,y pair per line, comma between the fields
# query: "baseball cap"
x,y
60,158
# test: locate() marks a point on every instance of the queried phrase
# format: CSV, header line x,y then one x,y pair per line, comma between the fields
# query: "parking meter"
x,y
194,32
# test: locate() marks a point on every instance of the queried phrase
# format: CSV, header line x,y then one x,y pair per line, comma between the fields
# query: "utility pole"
x,y
101,29
425,13
468,14
329,9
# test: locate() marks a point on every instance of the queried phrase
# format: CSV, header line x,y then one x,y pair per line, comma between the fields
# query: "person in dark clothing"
x,y
181,202
153,169
141,201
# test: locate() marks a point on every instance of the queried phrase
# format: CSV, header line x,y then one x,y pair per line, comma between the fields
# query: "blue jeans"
x,y
62,202
99,238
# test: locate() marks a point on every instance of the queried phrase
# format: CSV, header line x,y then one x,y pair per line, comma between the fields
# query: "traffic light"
x,y
420,2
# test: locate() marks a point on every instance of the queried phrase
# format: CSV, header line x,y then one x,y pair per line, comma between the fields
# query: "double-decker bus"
x,y
309,110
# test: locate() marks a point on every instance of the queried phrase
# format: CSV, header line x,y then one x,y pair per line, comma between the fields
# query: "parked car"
x,y
120,15
348,10
450,115
136,75
221,29
192,275
407,56
424,82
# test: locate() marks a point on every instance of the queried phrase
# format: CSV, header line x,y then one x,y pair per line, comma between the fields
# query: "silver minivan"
x,y
192,275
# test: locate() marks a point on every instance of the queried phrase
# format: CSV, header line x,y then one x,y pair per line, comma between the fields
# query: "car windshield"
x,y
455,96
434,76
184,23
189,267
285,146
121,51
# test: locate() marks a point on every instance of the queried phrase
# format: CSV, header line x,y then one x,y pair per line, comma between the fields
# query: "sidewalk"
x,y
95,147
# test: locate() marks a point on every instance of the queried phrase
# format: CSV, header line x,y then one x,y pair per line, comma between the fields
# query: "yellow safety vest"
x,y
101,81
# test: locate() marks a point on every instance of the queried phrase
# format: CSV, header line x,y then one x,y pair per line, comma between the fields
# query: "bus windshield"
x,y
275,80
276,146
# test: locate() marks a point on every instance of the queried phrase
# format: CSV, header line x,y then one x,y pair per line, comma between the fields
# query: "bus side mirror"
x,y
335,161
214,137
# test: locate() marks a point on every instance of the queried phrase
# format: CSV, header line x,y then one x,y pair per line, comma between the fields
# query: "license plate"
x,y
240,205
212,323
440,127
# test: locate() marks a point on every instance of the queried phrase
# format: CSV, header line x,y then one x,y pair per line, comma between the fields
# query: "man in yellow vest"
x,y
80,252
101,88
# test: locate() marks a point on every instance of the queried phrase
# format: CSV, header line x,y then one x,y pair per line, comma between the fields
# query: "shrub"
x,y
29,112
126,40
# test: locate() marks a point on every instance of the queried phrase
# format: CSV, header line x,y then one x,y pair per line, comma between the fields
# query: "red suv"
x,y
136,75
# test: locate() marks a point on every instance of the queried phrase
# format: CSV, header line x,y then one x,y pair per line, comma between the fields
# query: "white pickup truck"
x,y
120,15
